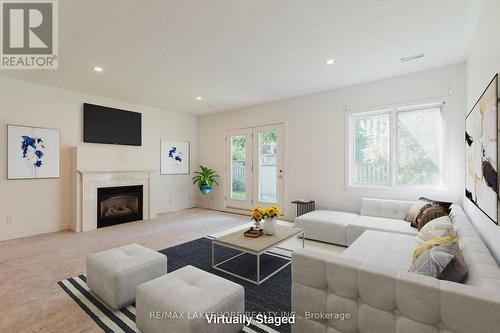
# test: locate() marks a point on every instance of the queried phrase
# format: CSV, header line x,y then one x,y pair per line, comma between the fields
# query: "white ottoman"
x,y
188,291
113,274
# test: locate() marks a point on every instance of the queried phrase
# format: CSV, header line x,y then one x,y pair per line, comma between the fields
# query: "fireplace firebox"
x,y
116,205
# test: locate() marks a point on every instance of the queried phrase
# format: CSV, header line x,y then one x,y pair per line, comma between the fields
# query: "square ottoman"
x,y
174,302
113,274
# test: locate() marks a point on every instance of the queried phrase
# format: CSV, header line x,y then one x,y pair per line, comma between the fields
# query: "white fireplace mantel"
x,y
114,171
89,181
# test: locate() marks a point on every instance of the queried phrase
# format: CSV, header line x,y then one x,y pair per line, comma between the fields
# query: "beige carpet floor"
x,y
31,300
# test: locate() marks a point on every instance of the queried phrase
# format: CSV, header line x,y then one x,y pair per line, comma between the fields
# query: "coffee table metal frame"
x,y
258,281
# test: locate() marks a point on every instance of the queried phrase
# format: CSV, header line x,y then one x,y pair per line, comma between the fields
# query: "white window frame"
x,y
393,144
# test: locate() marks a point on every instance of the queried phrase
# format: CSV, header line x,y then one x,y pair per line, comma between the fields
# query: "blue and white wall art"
x,y
174,157
33,152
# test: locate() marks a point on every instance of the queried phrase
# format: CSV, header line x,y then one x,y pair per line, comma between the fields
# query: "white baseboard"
x,y
241,212
156,213
34,232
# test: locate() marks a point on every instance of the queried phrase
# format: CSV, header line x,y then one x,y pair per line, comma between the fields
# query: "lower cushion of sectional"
x,y
385,249
358,226
326,226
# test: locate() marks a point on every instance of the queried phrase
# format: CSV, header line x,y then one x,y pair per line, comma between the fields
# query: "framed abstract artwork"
x,y
32,152
174,157
481,152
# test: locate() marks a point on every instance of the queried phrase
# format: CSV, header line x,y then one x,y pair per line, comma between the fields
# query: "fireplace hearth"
x,y
117,205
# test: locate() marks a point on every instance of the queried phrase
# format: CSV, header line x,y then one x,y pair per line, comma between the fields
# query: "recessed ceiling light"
x,y
330,61
412,57
98,69
199,98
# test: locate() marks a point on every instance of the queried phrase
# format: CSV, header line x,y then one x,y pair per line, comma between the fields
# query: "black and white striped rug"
x,y
273,296
107,319
113,321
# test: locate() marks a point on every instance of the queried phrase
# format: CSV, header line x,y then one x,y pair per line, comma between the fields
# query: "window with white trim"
x,y
398,147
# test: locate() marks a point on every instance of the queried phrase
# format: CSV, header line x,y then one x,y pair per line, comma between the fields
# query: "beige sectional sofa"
x,y
370,281
344,228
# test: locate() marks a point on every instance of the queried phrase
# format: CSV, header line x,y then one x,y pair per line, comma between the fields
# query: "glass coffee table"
x,y
254,246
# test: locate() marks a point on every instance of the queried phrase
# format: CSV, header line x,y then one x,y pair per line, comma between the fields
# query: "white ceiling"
x,y
236,53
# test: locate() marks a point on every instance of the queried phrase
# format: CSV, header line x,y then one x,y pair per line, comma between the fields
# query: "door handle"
x,y
280,173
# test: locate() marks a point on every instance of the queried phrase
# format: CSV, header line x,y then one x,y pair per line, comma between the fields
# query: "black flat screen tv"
x,y
112,126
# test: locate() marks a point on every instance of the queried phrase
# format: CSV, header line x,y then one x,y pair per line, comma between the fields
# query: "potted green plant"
x,y
205,179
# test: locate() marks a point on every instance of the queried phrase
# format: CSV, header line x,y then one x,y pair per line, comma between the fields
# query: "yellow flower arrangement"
x,y
258,214
272,211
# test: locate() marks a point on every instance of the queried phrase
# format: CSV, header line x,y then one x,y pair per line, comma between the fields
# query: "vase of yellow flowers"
x,y
257,216
271,213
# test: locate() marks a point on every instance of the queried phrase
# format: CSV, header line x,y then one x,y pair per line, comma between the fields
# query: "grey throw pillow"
x,y
444,262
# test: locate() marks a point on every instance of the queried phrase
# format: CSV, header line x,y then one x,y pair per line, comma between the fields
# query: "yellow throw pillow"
x,y
431,243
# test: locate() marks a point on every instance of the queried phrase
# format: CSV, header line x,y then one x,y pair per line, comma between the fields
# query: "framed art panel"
x,y
481,152
32,152
174,157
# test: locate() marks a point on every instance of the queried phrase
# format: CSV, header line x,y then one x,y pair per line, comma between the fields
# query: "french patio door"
x,y
255,167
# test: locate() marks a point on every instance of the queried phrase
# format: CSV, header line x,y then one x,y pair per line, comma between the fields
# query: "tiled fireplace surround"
x,y
89,181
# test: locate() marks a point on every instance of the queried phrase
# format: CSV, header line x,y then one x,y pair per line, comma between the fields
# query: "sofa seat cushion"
x,y
326,226
385,249
358,226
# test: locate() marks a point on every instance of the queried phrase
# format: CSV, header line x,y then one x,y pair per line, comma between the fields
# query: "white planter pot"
x,y
270,226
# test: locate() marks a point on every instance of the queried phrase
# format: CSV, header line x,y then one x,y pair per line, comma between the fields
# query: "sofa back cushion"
x,y
391,209
483,270
446,205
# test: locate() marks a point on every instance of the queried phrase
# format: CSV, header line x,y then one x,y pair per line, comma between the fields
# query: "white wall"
x,y
482,64
316,136
45,205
